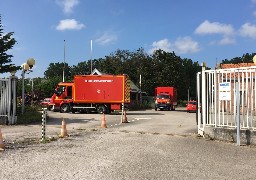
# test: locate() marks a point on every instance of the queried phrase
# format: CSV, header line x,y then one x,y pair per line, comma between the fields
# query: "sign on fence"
x,y
224,91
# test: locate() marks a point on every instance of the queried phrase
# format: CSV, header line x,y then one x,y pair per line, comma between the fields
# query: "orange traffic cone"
x,y
2,146
125,118
63,132
103,122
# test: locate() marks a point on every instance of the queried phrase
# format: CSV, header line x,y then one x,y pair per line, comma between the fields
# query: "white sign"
x,y
224,86
225,96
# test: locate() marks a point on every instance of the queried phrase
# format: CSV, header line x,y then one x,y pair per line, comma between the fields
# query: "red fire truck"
x,y
165,98
100,93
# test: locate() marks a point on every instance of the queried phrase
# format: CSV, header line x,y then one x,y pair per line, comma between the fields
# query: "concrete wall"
x,y
247,137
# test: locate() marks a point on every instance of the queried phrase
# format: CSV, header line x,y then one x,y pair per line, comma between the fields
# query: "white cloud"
x,y
106,38
225,30
68,5
214,28
69,24
186,45
227,40
248,30
182,45
163,44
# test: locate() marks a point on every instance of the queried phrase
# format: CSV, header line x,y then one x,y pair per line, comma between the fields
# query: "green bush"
x,y
31,114
140,106
182,103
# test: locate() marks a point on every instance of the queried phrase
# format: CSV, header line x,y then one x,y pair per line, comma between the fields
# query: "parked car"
x,y
45,101
191,106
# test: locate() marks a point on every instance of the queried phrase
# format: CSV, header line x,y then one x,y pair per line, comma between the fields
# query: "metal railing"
x,y
8,100
216,91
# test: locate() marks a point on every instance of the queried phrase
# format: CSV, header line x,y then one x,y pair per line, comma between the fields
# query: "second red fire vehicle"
x,y
165,98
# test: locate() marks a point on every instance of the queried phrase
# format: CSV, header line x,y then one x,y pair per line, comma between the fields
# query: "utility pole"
x,y
140,90
64,61
91,56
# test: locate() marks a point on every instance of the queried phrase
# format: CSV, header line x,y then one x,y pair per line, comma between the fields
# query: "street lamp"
x,y
25,67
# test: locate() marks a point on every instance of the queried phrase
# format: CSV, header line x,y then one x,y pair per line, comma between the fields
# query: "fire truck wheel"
x,y
73,111
64,108
50,108
101,109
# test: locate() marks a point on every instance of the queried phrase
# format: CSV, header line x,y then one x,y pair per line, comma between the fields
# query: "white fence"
x,y
216,96
8,100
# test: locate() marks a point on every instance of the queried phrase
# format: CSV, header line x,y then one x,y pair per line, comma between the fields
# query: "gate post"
x,y
12,100
237,114
203,106
9,101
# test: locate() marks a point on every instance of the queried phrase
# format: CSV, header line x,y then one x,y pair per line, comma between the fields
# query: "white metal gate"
x,y
8,100
216,97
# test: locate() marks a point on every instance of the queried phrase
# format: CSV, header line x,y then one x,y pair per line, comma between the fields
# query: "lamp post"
x,y
25,66
32,87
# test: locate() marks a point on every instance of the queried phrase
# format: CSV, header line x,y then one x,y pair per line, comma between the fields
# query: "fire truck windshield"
x,y
163,96
60,90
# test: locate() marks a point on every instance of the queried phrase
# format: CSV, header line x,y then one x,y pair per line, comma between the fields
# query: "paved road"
x,y
154,145
149,121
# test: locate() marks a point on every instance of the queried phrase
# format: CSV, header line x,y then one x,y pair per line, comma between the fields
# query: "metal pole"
x,y
140,91
188,94
237,114
203,105
122,114
32,90
64,61
23,99
91,56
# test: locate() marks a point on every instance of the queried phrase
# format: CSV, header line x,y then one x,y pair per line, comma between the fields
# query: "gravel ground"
x,y
123,152
115,155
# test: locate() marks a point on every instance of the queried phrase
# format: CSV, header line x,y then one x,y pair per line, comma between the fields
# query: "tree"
x,y
56,70
188,79
113,64
6,43
82,68
160,69
246,58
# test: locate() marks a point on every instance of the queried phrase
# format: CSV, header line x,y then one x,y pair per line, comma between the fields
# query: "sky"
x,y
52,31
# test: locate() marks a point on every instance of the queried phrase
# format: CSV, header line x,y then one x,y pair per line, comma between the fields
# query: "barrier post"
x,y
103,121
44,112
